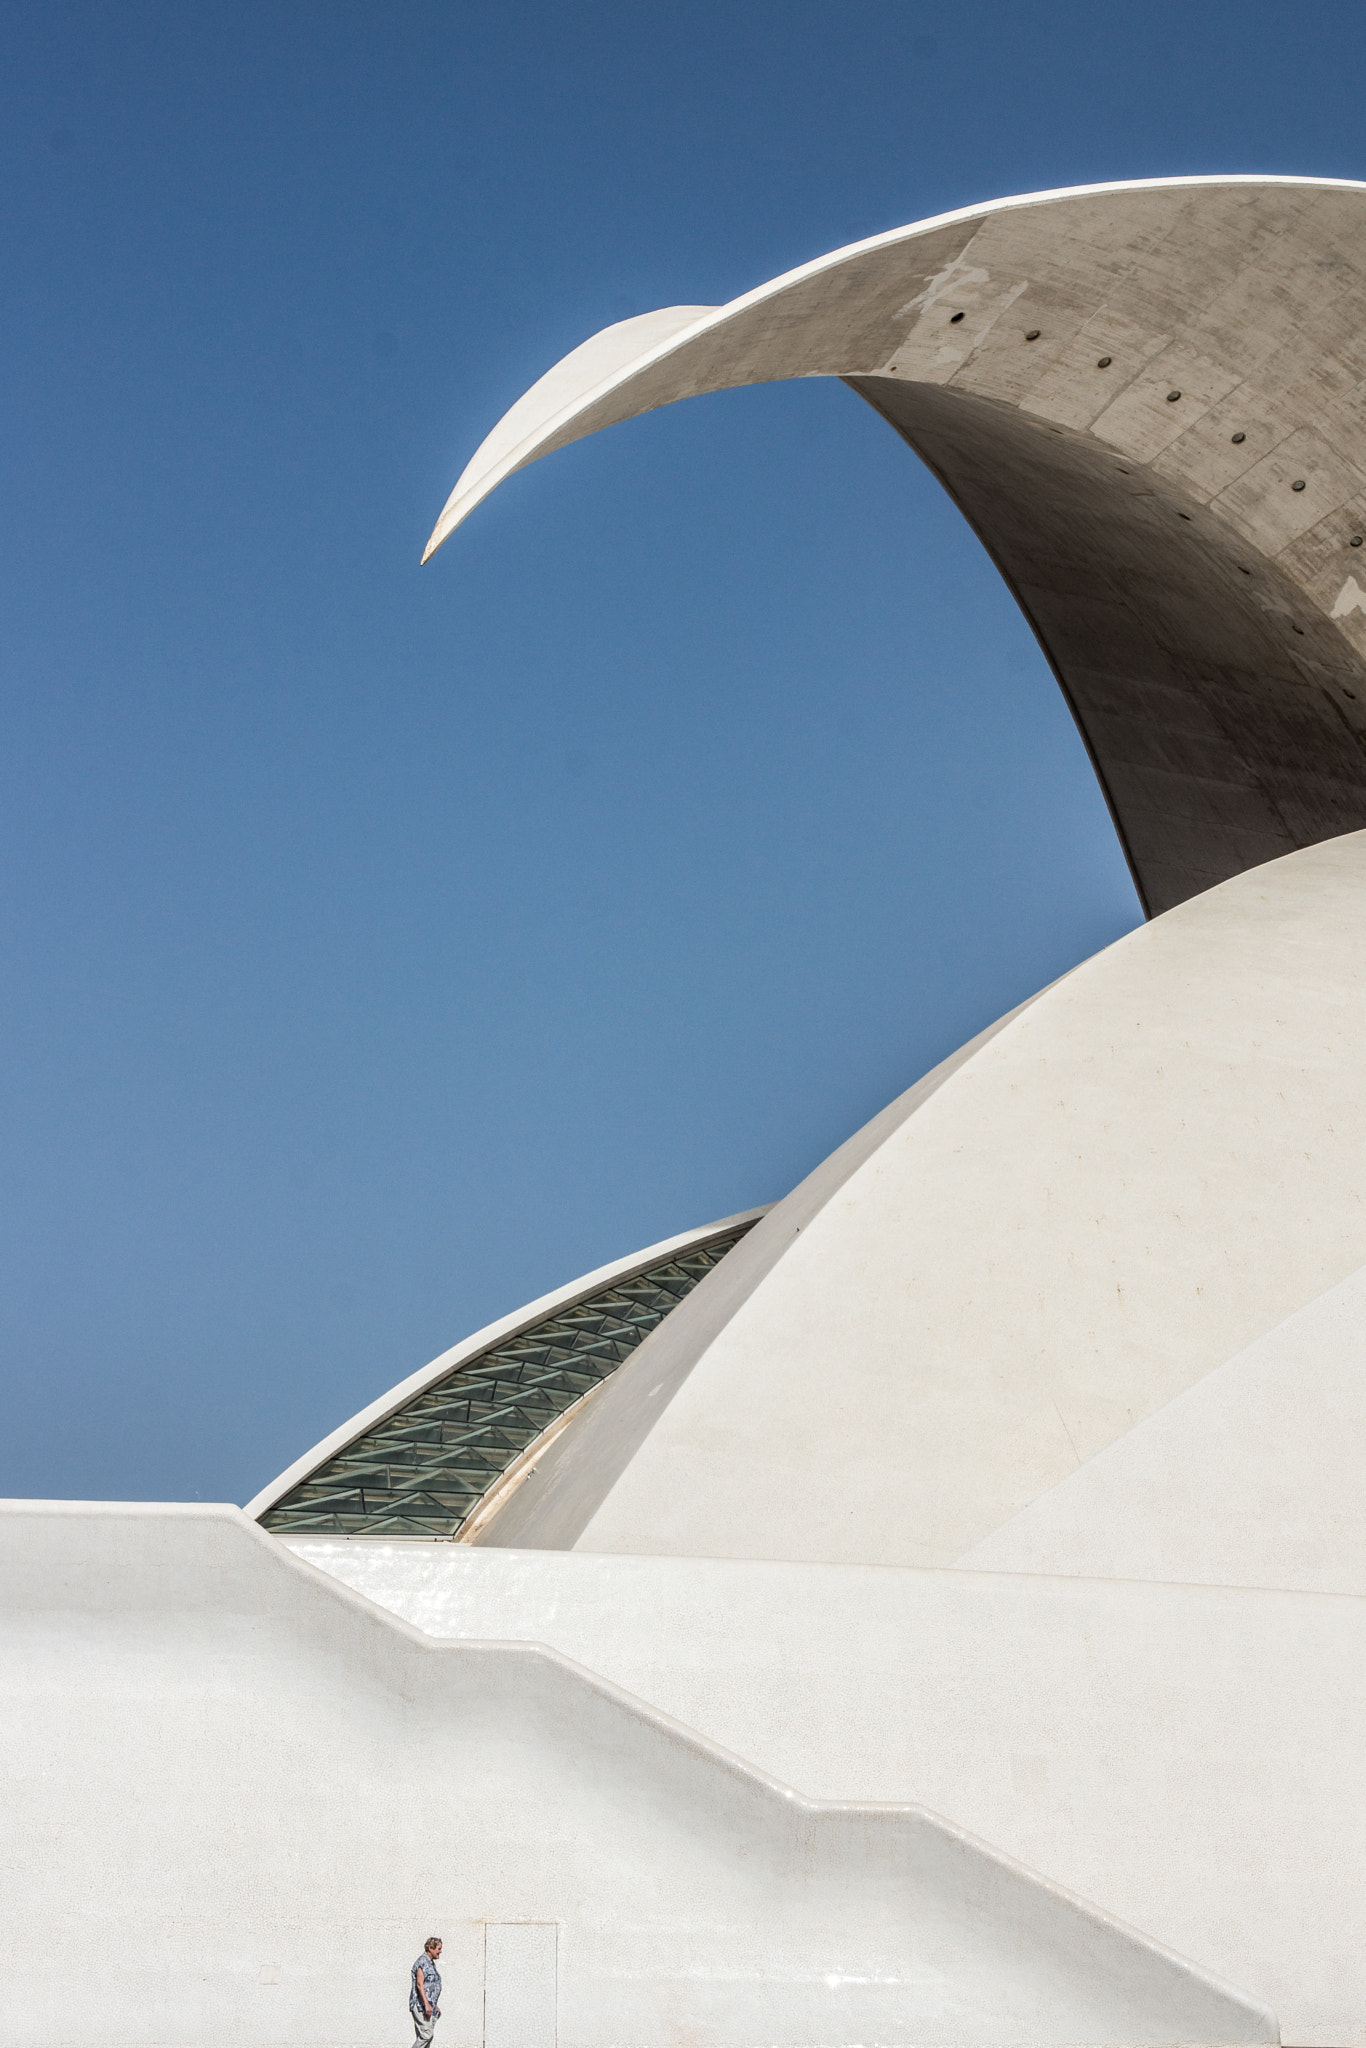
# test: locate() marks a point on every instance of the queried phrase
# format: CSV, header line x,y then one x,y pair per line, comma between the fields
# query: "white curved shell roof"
x,y
1150,400
1115,1193
1089,1213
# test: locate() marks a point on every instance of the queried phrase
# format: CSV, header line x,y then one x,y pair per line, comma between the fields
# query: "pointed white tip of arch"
x,y
519,433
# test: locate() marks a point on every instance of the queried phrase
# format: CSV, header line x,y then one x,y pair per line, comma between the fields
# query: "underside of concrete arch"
x,y
1150,402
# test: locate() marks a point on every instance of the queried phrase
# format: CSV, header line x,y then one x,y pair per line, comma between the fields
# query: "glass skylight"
x,y
424,1470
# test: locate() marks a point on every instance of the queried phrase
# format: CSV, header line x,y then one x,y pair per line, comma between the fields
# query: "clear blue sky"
x,y
382,947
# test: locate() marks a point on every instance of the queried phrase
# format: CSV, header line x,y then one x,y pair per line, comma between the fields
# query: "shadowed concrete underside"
x,y
1220,708
1150,402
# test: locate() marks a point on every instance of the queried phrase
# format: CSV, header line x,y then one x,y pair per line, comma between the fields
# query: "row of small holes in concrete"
x,y
1104,362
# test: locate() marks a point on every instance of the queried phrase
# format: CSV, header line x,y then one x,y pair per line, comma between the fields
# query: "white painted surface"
x,y
1190,1757
574,1468
520,1984
1254,1477
217,1757
1156,1162
593,363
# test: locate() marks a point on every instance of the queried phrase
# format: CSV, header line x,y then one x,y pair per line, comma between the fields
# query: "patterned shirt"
x,y
431,1980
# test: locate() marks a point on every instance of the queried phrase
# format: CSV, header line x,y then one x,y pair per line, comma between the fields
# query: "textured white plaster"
x,y
216,1757
520,1984
1189,1757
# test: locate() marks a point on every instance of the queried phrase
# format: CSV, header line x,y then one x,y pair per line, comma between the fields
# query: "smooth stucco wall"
x,y
238,1796
1190,1757
571,1471
1253,1477
1152,1165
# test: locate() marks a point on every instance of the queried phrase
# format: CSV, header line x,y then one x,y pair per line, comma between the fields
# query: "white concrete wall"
x,y
1189,1757
1153,1164
1251,1478
238,1796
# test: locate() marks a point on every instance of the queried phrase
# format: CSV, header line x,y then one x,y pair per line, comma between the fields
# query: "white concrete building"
x,y
932,1610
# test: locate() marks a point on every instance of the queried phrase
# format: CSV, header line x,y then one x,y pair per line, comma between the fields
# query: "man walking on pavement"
x,y
424,2002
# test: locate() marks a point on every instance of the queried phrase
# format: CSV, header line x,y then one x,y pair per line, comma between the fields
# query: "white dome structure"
x,y
931,1610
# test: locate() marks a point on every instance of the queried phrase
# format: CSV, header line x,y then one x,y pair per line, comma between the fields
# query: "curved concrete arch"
x,y
1149,400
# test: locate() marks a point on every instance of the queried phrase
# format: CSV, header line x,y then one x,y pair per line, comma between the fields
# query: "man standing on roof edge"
x,y
424,2001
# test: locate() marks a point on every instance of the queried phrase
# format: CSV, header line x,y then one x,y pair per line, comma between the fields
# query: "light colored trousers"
x,y
424,2029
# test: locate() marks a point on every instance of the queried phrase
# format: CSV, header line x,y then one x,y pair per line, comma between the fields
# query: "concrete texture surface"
x,y
238,1796
1147,399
